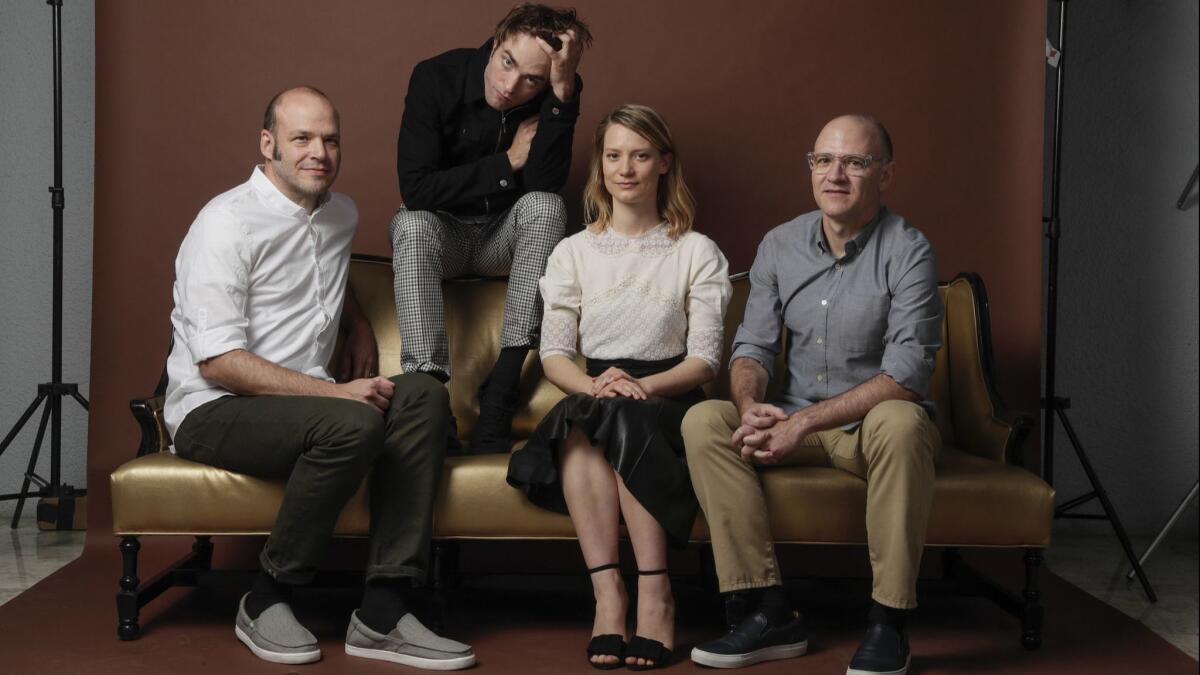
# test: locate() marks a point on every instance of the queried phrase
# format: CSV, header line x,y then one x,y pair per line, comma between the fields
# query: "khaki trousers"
x,y
893,450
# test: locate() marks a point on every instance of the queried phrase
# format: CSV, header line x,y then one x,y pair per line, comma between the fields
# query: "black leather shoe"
x,y
753,640
884,651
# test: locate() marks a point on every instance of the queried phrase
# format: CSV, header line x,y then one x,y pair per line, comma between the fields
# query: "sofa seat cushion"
x,y
977,502
162,493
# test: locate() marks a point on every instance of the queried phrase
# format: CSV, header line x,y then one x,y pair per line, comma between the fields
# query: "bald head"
x,y
865,127
271,116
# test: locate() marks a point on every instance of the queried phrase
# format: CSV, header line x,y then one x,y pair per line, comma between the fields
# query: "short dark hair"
x,y
543,22
269,115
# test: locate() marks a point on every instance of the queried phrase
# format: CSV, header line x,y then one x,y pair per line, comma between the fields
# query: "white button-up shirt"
x,y
257,272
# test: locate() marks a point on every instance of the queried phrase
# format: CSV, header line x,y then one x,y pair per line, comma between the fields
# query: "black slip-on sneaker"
x,y
884,651
753,640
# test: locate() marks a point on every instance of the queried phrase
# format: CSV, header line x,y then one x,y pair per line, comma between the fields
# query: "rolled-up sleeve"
x,y
759,337
707,300
561,297
211,281
914,331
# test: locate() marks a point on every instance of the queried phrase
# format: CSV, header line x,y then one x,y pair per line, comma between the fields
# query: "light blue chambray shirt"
x,y
875,310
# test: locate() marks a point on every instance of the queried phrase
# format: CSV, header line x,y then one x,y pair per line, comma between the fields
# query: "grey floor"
x,y
1092,562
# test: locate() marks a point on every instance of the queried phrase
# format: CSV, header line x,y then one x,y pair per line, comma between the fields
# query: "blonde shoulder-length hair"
x,y
676,205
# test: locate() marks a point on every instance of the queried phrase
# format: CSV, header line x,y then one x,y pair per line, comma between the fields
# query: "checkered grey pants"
x,y
429,246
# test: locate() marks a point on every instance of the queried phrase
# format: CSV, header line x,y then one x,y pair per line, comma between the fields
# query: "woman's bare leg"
x,y
590,489
655,603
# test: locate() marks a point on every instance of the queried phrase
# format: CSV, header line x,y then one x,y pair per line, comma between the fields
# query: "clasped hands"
x,y
615,382
767,434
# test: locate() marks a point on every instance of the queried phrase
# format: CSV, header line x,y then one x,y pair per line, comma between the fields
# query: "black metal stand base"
x,y
1059,410
51,394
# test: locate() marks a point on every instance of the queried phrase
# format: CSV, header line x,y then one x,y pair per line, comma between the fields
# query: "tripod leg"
x,y
21,422
82,401
1162,534
1107,506
33,458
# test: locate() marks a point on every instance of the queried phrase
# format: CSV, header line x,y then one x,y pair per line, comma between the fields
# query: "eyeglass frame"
x,y
868,159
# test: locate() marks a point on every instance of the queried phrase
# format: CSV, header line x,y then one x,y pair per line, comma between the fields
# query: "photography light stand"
x,y
1180,204
51,393
1055,406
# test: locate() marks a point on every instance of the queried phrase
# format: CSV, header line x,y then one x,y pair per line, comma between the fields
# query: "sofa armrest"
x,y
983,425
148,413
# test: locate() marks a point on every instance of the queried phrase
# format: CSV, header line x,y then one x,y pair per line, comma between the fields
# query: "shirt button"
x,y
820,341
503,182
824,303
554,110
820,378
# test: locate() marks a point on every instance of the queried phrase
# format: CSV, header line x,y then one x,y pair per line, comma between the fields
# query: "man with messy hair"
x,y
484,147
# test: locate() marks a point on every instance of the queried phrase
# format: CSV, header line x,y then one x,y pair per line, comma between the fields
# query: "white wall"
x,y
26,226
1128,274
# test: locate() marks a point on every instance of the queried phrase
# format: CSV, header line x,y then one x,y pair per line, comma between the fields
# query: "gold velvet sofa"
x,y
983,497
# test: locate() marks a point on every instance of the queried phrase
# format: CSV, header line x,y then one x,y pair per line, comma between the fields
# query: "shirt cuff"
x,y
552,108
215,342
908,368
764,358
556,351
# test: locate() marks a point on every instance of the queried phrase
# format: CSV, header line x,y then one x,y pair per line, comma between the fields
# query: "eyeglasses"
x,y
853,165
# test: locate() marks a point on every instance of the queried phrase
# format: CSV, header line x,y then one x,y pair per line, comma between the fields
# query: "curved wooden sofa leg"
x,y
1032,611
127,597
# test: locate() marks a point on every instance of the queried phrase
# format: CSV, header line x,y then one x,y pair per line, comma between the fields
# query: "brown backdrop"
x,y
180,89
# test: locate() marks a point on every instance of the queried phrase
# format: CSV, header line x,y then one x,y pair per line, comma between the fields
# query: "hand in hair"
x,y
563,63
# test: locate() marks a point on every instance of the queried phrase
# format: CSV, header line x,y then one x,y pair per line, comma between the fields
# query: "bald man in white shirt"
x,y
259,294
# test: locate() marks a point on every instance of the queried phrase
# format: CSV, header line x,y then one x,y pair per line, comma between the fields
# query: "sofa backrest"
x,y
960,386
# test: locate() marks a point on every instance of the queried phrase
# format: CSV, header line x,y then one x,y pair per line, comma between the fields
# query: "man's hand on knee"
x,y
374,391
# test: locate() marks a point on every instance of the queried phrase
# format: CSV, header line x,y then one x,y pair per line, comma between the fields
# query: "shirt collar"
x,y
473,91
276,199
855,245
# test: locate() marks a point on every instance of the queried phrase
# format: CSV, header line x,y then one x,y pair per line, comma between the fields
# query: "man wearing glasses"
x,y
855,286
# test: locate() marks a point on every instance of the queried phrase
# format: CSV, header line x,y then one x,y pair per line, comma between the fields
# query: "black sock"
x,y
502,382
265,592
383,604
498,402
774,603
888,616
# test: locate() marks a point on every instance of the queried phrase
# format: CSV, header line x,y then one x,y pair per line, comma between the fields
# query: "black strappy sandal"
x,y
608,644
645,648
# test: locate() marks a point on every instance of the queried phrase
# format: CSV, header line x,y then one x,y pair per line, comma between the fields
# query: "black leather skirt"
x,y
641,440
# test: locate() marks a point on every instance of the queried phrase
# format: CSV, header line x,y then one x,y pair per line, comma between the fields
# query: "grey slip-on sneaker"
x,y
276,635
410,643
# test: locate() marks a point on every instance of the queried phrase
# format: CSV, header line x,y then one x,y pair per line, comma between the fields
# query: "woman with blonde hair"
x,y
644,297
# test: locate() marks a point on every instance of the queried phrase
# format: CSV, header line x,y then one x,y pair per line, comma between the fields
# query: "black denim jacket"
x,y
451,151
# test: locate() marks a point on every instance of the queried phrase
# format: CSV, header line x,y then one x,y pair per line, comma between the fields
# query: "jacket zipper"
x,y
487,209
